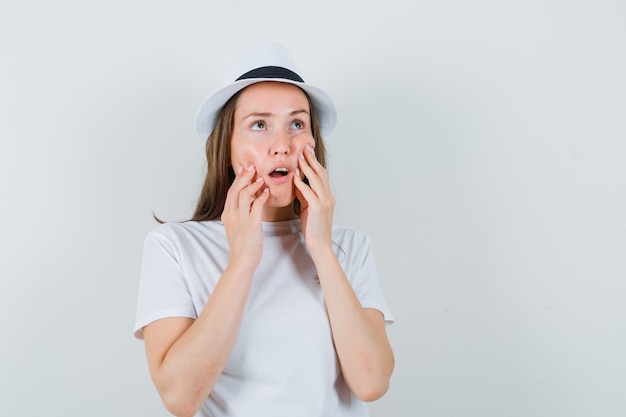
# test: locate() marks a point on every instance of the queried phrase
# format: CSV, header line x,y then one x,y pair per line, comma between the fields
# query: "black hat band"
x,y
271,72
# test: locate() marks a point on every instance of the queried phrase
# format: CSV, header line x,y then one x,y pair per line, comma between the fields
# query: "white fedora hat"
x,y
268,62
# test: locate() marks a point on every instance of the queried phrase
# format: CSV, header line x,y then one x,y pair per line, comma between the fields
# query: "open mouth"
x,y
279,172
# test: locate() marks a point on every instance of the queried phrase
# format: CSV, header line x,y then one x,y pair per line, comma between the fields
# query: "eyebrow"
x,y
257,114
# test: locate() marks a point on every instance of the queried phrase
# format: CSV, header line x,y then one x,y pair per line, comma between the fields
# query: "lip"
x,y
283,178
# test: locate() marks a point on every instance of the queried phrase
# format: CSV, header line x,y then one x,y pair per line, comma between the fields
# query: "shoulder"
x,y
184,233
184,242
350,236
350,243
179,229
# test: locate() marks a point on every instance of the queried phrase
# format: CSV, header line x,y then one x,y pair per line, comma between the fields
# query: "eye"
x,y
260,125
297,125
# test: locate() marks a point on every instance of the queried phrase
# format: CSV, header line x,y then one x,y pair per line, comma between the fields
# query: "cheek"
x,y
302,140
243,153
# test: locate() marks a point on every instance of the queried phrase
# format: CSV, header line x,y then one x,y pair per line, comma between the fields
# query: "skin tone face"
x,y
272,127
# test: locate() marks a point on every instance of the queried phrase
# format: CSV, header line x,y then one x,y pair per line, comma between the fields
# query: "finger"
x,y
242,180
301,198
309,154
248,195
305,190
317,183
257,206
299,194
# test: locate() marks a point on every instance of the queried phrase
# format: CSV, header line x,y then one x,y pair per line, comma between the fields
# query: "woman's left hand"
x,y
317,202
359,334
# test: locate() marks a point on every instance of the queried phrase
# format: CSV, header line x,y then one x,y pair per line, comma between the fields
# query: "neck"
x,y
278,214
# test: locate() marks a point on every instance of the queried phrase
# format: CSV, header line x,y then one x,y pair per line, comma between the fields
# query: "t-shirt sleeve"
x,y
163,291
365,281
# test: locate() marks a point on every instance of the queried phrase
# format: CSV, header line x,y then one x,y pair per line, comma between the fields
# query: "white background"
x,y
481,145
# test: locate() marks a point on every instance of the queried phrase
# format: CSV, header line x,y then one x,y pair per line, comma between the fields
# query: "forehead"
x,y
270,96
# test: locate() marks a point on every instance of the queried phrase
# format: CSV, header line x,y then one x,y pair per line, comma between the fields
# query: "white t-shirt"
x,y
283,363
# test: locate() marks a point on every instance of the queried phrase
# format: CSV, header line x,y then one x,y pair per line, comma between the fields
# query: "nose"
x,y
280,151
281,145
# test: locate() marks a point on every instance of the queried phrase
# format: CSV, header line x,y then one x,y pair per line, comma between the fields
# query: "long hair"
x,y
220,174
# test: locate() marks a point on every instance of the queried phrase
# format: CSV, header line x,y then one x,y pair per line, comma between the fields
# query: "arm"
x,y
186,356
359,334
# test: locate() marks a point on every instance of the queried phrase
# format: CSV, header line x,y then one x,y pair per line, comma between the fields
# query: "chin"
x,y
280,200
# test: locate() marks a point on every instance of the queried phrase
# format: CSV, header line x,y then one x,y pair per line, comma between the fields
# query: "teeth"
x,y
282,171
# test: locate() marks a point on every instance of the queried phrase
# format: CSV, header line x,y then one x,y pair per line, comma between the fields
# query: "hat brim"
x,y
211,107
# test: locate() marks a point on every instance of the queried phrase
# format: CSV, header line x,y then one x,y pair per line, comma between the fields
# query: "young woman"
x,y
259,306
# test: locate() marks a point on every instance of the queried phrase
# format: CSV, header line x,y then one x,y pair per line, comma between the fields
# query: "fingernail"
x,y
251,168
266,190
308,148
301,156
240,170
260,179
298,172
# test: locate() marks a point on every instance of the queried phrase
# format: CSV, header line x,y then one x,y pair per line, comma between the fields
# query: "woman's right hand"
x,y
242,218
187,356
